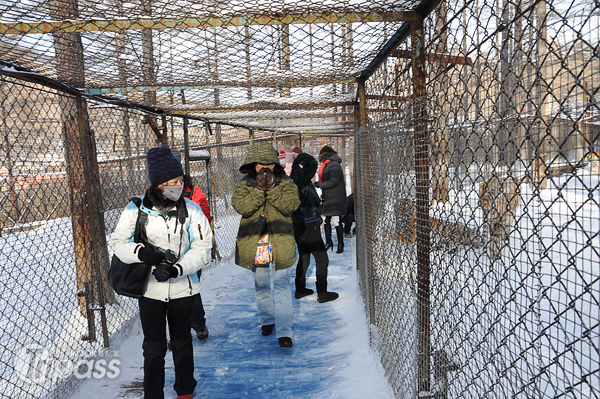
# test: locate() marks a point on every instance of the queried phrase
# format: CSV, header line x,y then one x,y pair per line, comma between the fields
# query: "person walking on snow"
x,y
307,228
177,225
266,198
333,186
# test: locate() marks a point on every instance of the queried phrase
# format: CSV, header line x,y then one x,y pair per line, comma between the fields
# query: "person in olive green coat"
x,y
266,198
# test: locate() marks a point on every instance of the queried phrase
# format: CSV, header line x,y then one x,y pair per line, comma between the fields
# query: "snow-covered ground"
x,y
331,357
532,315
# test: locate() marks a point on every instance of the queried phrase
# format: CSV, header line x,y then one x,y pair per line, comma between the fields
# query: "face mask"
x,y
173,192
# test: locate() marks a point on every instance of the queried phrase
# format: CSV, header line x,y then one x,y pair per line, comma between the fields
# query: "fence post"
x,y
542,93
186,144
423,229
94,212
363,194
9,166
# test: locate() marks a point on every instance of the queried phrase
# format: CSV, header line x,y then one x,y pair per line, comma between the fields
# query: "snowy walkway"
x,y
331,357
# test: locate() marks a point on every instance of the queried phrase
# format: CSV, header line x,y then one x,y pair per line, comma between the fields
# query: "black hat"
x,y
162,165
326,149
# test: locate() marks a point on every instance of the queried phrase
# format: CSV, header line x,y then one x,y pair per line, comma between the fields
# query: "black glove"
x,y
265,180
165,271
149,256
317,184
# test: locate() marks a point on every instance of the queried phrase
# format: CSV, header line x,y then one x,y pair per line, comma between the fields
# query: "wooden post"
x,y
310,37
285,57
542,93
123,77
9,163
94,212
423,229
89,235
439,150
248,66
216,92
148,57
186,143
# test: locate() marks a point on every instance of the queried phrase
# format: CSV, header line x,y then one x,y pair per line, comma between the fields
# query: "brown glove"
x,y
265,180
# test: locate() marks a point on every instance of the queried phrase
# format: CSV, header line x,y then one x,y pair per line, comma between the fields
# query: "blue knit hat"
x,y
162,165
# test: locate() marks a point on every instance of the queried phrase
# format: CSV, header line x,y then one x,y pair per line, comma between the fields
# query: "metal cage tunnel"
x,y
470,137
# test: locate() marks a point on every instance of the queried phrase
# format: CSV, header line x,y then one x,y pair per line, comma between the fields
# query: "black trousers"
x,y
309,241
348,219
198,313
178,313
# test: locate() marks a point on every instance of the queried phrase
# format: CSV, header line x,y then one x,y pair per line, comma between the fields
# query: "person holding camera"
x,y
176,243
266,198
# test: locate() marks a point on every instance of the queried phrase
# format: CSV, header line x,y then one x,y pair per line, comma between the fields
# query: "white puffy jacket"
x,y
193,246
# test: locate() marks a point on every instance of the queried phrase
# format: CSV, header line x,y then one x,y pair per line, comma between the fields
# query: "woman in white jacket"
x,y
175,224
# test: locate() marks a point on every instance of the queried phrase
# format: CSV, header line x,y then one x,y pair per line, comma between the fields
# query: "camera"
x,y
162,272
169,255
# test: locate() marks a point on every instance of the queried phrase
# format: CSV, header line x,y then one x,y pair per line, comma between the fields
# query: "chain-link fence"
x,y
475,166
478,213
69,166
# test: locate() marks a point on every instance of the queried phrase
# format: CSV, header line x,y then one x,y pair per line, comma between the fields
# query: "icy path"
x,y
331,357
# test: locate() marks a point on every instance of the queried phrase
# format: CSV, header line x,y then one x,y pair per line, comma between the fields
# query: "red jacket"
x,y
198,196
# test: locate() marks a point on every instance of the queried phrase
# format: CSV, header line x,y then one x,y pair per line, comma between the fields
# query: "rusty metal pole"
x,y
421,144
209,178
186,141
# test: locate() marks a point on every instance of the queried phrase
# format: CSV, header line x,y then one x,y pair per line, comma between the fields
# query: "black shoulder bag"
x,y
129,279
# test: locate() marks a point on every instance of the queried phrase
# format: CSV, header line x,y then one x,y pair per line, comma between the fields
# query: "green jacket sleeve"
x,y
247,199
284,197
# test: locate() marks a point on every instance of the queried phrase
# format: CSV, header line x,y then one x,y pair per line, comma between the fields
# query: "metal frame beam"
x,y
296,106
400,36
436,57
19,28
224,85
420,13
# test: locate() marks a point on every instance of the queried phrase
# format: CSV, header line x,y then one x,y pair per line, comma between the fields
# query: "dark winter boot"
x,y
302,292
328,241
323,295
340,236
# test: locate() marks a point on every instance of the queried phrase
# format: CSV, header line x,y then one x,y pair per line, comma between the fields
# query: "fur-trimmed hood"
x,y
261,152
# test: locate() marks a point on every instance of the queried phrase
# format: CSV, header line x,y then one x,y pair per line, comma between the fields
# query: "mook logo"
x,y
35,364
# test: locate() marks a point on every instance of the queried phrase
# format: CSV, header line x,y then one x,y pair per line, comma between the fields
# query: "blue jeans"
x,y
274,307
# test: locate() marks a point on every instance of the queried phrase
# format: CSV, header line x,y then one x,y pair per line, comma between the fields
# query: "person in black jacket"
x,y
333,186
307,228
